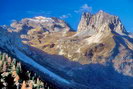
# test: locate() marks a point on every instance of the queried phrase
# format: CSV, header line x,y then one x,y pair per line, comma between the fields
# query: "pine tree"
x,y
9,60
18,68
14,61
3,57
13,76
4,68
0,57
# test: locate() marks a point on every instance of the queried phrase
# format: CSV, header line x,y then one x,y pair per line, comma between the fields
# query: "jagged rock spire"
x,y
101,21
85,19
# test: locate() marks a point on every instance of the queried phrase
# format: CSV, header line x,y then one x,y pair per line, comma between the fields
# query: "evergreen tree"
x,y
14,76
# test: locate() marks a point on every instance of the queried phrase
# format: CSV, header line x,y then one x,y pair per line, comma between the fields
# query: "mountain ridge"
x,y
101,40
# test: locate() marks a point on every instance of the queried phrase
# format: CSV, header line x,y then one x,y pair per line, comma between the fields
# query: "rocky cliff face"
x,y
101,40
98,32
92,24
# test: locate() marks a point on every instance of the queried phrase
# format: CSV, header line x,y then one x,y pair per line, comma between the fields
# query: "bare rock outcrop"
x,y
92,24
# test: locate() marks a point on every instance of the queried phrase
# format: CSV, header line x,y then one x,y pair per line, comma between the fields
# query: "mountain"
x,y
101,38
98,56
45,24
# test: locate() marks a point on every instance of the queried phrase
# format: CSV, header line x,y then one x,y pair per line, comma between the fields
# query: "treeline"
x,y
14,76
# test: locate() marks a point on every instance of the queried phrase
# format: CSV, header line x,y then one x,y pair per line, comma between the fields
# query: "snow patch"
x,y
41,19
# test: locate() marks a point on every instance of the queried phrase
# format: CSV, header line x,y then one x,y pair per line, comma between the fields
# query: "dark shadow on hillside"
x,y
120,41
98,76
89,76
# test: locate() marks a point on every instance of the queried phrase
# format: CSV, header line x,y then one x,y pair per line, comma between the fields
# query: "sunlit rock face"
x,y
40,32
92,24
43,23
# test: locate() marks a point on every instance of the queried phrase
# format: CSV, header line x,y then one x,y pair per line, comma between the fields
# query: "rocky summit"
x,y
99,53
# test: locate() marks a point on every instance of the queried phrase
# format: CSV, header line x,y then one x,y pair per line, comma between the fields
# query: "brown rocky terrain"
x,y
101,38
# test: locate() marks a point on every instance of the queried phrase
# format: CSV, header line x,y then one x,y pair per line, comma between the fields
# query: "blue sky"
x,y
68,10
